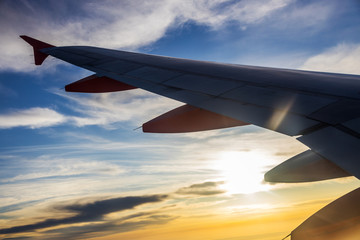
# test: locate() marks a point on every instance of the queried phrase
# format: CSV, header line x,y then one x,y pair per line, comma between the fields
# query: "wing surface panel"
x,y
152,74
203,84
74,58
119,66
338,112
354,125
299,103
277,120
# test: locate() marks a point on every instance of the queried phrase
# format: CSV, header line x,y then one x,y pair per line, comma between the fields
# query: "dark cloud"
x,y
128,223
93,211
18,238
96,210
110,227
203,189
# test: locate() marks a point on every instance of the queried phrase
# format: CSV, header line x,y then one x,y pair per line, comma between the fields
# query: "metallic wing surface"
x,y
322,110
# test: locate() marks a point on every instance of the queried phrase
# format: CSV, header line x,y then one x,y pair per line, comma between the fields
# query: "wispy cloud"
x,y
81,166
33,118
202,189
104,109
92,109
343,58
306,14
121,24
250,12
53,167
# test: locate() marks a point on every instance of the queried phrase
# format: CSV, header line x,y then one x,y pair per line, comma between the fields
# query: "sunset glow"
x,y
243,172
77,165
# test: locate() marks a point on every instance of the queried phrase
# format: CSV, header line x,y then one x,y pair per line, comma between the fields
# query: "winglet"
x,y
37,45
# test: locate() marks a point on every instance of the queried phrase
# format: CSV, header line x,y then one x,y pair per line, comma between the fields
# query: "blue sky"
x,y
62,149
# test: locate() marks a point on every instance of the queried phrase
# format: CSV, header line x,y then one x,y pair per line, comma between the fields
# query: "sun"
x,y
242,172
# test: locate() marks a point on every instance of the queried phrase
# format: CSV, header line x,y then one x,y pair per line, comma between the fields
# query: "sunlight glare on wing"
x,y
242,172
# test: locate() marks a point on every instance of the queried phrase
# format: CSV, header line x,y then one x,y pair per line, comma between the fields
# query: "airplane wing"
x,y
321,109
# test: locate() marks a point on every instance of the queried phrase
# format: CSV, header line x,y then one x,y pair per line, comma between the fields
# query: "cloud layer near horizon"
x,y
93,211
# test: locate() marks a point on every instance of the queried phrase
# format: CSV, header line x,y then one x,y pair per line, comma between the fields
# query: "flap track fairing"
x,y
187,118
96,84
305,167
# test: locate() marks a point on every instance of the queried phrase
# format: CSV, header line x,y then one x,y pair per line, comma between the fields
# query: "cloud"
x,y
33,118
248,11
96,221
100,229
18,238
300,14
202,189
105,109
89,212
51,166
343,58
119,24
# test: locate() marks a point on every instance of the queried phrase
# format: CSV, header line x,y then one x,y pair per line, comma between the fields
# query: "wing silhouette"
x,y
321,109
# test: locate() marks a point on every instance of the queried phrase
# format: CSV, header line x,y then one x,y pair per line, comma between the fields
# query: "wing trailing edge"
x,y
37,46
188,118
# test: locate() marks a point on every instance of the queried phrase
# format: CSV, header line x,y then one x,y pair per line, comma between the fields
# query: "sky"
x,y
73,167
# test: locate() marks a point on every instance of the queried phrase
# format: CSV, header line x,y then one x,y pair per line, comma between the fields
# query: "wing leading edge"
x,y
321,109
